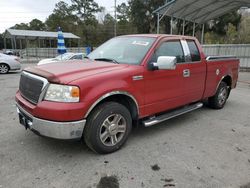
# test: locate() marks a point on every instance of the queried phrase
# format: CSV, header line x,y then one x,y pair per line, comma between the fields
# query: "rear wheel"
x,y
108,127
219,100
4,68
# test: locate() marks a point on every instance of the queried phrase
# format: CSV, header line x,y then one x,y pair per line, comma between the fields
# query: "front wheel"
x,y
108,127
4,68
219,100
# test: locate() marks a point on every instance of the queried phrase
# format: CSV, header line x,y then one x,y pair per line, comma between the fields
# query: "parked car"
x,y
9,63
63,57
137,79
9,52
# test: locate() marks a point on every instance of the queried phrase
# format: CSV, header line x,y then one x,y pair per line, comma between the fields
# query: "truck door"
x,y
164,88
194,72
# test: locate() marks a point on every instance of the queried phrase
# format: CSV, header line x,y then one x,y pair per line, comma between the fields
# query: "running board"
x,y
171,114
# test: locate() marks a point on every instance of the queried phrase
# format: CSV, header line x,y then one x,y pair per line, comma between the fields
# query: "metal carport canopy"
x,y
22,34
15,34
200,11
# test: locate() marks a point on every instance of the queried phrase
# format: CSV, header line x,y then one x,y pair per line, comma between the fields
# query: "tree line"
x,y
90,21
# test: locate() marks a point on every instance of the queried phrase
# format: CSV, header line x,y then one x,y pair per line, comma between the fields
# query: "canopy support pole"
x,y
38,42
15,46
171,25
183,29
115,26
5,43
20,43
160,18
193,29
12,44
158,23
26,48
202,34
78,45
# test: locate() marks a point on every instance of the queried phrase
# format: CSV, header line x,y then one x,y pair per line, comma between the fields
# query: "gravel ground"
x,y
205,148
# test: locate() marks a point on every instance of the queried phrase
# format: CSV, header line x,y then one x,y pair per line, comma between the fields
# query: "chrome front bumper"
x,y
52,129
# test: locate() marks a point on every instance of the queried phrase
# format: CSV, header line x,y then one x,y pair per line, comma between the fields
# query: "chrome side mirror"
x,y
166,63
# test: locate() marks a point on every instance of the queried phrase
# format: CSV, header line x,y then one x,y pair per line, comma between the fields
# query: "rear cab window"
x,y
194,51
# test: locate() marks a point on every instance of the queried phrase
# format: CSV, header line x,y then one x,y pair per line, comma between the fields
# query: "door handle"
x,y
186,73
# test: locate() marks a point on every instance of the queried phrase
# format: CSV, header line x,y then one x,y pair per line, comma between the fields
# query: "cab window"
x,y
194,52
170,48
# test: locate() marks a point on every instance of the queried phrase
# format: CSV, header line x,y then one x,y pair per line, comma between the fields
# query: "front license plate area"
x,y
24,119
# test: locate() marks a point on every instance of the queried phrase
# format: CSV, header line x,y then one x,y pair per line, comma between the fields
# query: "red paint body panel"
x,y
158,91
227,68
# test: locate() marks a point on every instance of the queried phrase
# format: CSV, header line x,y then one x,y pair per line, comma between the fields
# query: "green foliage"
x,y
22,26
123,13
244,30
1,42
141,15
81,18
86,9
231,34
35,24
62,16
220,24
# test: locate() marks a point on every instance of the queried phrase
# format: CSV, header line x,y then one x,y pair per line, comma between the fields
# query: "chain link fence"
x,y
41,53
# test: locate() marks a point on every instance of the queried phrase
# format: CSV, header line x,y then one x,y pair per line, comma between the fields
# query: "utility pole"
x,y
115,26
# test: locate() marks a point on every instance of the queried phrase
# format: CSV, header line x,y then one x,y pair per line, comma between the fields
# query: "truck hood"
x,y
66,72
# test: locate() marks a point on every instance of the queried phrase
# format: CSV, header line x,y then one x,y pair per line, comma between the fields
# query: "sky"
x,y
23,11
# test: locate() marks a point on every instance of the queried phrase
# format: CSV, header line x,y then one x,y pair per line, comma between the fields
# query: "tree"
x,y
21,26
36,24
62,16
220,25
231,34
122,13
141,15
1,41
85,10
244,29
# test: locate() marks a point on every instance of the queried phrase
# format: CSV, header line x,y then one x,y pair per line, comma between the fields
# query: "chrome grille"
x,y
31,86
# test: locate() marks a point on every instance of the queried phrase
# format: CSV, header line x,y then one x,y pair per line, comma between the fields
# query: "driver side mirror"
x,y
165,63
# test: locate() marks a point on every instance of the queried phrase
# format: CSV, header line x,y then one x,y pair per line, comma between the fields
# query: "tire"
x,y
4,68
219,100
107,127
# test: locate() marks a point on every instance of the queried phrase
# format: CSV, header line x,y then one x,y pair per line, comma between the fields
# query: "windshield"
x,y
124,50
65,56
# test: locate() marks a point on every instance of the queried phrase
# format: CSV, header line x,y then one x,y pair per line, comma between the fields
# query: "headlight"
x,y
62,93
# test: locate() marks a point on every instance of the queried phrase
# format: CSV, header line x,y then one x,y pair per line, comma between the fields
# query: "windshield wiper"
x,y
107,59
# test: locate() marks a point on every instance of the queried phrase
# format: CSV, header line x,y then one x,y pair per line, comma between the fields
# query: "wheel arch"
x,y
227,79
121,97
4,64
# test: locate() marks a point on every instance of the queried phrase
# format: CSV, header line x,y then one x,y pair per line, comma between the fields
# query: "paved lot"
x,y
205,148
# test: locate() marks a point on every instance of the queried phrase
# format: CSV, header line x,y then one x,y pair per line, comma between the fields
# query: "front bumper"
x,y
52,129
16,66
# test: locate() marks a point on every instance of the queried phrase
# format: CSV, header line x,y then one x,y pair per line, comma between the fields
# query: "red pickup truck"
x,y
129,80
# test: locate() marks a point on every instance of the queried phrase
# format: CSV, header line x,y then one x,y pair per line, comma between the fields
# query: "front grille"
x,y
31,87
